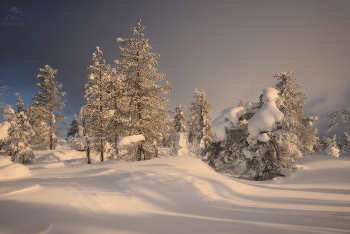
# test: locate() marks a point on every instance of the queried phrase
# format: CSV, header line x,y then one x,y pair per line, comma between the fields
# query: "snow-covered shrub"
x,y
332,151
22,153
255,140
78,141
19,135
134,148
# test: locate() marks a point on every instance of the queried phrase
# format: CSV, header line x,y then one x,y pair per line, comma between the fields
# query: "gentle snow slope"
x,y
174,195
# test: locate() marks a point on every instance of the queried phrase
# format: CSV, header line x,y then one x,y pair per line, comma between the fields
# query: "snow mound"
x,y
13,171
270,94
265,119
5,161
227,118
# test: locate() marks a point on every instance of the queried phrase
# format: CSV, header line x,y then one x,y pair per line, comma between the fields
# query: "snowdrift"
x,y
174,195
10,170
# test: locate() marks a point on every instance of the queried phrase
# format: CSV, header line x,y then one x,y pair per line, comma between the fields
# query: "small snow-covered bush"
x,y
332,151
23,154
79,143
254,140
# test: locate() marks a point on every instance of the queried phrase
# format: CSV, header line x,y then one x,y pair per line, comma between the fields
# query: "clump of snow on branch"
x,y
130,139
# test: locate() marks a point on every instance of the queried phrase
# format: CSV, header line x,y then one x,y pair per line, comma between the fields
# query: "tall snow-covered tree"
x,y
97,98
291,103
48,102
200,130
180,131
146,110
74,127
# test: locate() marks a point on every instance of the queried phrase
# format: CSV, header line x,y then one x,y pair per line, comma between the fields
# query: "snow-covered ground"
x,y
180,194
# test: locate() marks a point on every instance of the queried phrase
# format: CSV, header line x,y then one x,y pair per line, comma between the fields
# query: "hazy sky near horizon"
x,y
230,49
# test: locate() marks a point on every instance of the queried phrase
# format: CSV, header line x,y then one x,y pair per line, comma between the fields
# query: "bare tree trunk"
x,y
156,150
88,152
51,120
101,118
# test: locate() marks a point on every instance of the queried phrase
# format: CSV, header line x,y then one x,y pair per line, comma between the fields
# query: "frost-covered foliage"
x,y
291,105
97,109
47,105
335,146
344,144
39,125
255,140
2,98
337,117
19,103
200,132
146,113
240,103
4,126
180,132
19,134
73,131
79,140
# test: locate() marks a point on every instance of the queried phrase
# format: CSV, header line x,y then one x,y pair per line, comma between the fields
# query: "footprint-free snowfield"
x,y
172,195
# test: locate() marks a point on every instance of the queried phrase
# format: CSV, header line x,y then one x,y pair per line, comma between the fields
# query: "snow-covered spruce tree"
x,y
19,103
73,131
272,144
180,132
146,111
19,133
254,140
97,101
200,130
291,105
48,103
225,153
240,103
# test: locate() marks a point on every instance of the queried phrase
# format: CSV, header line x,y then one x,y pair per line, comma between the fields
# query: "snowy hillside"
x,y
170,195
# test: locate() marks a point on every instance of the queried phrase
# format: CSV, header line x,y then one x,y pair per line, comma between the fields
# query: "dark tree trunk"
x,y
88,152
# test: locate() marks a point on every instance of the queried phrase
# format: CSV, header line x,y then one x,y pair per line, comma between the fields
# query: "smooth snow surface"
x,y
172,195
130,139
5,161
